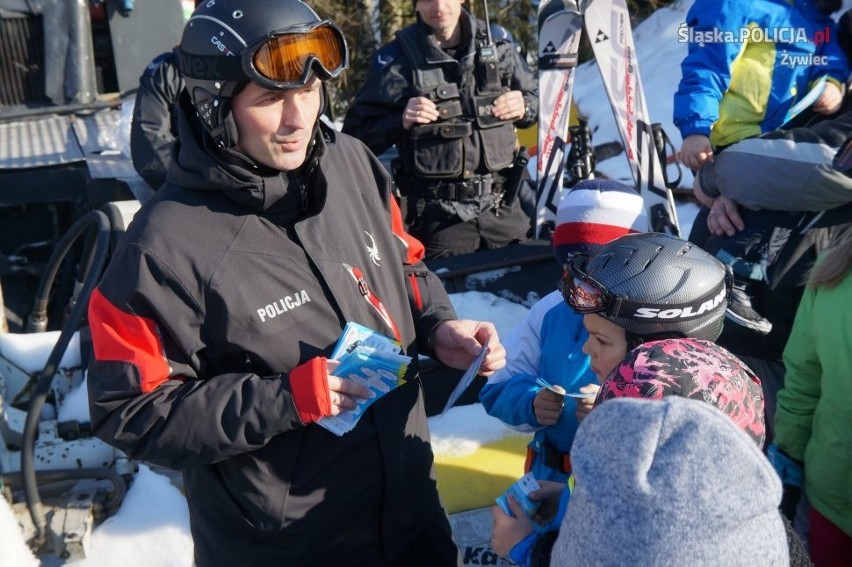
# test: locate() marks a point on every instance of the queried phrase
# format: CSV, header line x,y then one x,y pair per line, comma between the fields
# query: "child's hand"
x,y
830,100
506,531
548,406
585,405
696,151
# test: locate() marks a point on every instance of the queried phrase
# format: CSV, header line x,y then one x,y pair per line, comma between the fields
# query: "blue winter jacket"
x,y
742,84
546,344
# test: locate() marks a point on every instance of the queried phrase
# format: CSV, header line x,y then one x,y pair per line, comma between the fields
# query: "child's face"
x,y
606,345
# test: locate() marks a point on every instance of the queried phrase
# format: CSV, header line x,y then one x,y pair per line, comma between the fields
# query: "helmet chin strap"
x,y
634,340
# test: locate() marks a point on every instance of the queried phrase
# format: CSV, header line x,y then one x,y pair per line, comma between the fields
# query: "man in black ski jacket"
x,y
213,321
154,126
449,94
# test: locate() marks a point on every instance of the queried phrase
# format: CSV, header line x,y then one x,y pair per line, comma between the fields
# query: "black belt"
x,y
555,459
459,190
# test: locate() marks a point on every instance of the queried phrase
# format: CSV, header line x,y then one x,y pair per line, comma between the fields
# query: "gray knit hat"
x,y
669,482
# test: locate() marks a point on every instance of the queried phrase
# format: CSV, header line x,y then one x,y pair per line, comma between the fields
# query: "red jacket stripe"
x,y
119,336
414,248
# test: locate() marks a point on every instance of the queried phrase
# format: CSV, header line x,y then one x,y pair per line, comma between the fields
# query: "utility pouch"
x,y
449,109
446,130
483,104
447,91
439,148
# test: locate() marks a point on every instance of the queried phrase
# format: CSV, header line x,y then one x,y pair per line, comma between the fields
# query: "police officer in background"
x,y
449,93
154,129
154,126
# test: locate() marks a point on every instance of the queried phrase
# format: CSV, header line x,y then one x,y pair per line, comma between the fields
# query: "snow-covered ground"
x,y
152,527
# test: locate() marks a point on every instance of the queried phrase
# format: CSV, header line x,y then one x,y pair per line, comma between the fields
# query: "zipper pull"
x,y
362,287
303,193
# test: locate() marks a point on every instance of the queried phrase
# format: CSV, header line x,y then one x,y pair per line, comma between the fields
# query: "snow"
x,y
15,551
464,429
29,351
480,305
151,528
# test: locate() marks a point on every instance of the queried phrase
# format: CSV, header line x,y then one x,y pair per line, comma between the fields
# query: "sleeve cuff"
x,y
707,180
695,127
309,386
519,554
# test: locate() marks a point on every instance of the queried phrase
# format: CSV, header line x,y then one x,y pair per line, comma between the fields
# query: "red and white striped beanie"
x,y
594,212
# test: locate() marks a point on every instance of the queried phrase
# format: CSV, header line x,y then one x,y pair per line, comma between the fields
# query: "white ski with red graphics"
x,y
560,26
611,35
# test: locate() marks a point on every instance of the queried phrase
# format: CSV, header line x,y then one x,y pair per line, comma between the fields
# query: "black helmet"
x,y
277,44
653,285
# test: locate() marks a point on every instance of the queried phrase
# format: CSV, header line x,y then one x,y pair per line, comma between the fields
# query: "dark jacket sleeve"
x,y
151,132
375,117
149,392
521,78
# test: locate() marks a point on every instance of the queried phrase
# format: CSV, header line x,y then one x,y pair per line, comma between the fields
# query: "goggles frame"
x,y
311,65
575,282
224,68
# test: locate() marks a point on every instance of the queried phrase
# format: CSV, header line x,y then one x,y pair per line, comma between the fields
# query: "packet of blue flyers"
x,y
520,489
370,359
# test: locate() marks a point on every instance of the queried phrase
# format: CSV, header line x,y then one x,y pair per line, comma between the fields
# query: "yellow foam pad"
x,y
476,479
529,136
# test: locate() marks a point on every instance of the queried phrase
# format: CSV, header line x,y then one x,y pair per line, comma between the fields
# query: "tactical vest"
x,y
438,149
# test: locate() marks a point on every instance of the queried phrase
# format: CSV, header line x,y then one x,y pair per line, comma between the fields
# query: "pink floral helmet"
x,y
691,368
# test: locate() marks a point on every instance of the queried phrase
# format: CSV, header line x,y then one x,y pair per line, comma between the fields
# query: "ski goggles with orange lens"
x,y
286,59
580,291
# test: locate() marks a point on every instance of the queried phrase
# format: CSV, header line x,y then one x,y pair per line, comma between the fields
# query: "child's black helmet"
x,y
652,285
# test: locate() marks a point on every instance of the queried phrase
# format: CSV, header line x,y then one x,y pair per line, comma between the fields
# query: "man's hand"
x,y
343,393
507,531
419,110
724,218
696,151
548,405
830,100
509,106
457,343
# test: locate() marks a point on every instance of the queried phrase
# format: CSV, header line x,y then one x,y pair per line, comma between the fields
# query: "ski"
x,y
560,26
608,24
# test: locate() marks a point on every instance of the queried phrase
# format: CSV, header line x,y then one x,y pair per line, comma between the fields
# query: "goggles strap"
x,y
210,67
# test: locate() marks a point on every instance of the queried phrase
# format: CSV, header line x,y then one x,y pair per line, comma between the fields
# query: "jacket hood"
x,y
197,164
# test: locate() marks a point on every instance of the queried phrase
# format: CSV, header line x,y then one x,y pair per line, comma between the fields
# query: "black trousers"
x,y
444,232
